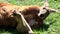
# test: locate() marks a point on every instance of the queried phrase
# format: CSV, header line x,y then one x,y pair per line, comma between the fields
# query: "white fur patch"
x,y
42,11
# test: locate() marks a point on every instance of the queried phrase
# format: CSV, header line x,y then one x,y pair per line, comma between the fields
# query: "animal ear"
x,y
46,4
52,10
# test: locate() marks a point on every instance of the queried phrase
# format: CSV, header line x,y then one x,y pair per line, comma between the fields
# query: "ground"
x,y
52,22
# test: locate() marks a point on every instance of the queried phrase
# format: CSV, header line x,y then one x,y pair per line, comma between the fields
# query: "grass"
x,y
52,21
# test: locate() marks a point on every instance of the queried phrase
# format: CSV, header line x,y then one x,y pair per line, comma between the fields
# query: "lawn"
x,y
52,22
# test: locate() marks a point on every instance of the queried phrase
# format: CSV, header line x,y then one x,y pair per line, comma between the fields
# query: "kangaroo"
x,y
23,17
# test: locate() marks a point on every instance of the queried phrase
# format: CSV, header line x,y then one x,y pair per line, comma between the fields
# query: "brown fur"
x,y
29,12
7,18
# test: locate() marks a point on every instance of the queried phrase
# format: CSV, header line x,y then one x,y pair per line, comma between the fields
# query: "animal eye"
x,y
44,8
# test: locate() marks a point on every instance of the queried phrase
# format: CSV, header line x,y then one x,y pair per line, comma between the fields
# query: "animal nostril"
x,y
42,15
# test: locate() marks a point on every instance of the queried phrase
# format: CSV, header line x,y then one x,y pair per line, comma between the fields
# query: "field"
x,y
52,22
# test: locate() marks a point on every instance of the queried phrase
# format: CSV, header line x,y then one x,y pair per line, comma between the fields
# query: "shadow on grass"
x,y
44,27
10,30
14,31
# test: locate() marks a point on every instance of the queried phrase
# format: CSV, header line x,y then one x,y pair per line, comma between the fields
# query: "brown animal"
x,y
10,16
22,17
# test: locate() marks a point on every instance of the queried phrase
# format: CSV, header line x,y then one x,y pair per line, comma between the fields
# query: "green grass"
x,y
53,18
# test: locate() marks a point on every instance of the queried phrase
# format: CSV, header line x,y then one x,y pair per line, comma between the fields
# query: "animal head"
x,y
45,10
